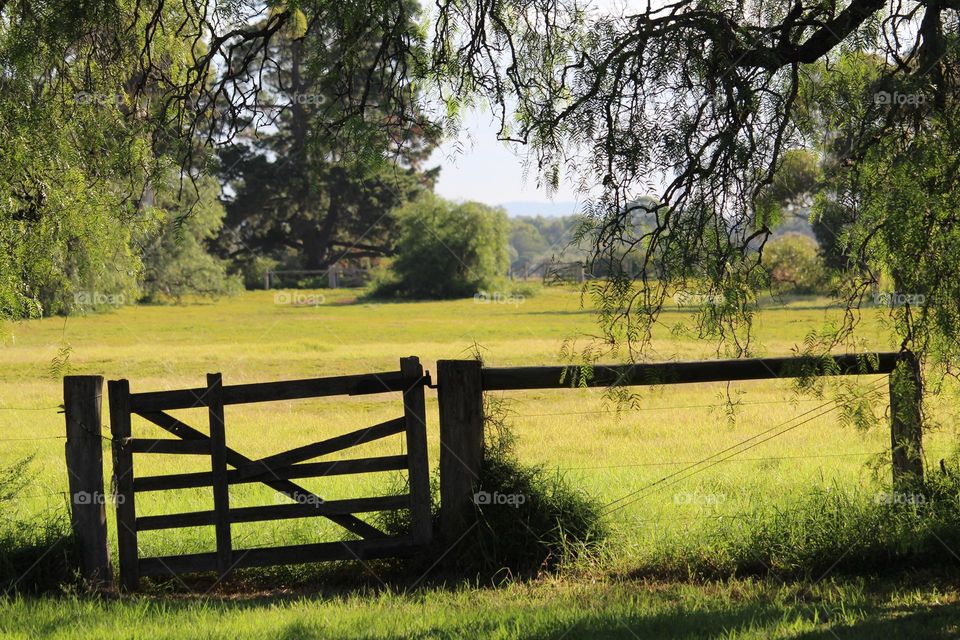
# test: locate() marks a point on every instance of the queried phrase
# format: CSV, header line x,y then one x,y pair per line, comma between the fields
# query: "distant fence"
x,y
337,276
460,384
551,272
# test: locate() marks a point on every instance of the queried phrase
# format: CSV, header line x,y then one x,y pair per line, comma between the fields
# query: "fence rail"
x,y
658,373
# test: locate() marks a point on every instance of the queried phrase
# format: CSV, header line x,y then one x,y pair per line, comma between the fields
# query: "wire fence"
x,y
689,468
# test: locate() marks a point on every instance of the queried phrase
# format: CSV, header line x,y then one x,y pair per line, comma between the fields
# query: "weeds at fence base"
x,y
37,554
831,531
527,520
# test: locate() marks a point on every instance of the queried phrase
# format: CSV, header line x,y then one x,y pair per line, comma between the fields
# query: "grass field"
x,y
606,453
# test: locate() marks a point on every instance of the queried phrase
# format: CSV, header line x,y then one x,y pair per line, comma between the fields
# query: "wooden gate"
x,y
276,471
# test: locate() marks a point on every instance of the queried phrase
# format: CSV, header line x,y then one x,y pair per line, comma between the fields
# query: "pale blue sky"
x,y
489,171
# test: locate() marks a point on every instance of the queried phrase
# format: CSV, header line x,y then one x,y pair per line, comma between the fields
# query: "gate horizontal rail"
x,y
363,384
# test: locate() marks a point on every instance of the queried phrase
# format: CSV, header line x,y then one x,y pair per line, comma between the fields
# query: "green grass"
x,y
922,608
605,453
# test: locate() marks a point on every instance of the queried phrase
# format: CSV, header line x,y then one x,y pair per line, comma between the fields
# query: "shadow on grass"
x,y
609,610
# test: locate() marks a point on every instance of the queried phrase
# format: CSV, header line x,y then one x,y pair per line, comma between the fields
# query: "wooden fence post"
x,y
906,430
460,394
84,452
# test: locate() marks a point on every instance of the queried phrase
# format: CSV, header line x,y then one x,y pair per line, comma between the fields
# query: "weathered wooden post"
x,y
460,394
906,429
84,452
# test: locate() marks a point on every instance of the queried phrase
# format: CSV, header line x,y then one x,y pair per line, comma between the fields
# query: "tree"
x,y
299,196
699,103
527,246
176,261
794,264
447,250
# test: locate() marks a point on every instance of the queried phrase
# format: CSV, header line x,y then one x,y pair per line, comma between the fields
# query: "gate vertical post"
x,y
906,429
414,412
218,467
460,392
84,453
119,391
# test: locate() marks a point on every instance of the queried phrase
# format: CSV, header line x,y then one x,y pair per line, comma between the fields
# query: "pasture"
x,y
605,449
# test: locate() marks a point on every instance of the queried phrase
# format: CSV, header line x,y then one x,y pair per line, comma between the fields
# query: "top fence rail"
x,y
364,384
557,377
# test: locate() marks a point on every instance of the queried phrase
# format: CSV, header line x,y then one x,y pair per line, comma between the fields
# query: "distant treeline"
x,y
539,240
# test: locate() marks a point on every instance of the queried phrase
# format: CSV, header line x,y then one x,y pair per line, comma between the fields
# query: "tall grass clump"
x,y
37,553
526,519
833,530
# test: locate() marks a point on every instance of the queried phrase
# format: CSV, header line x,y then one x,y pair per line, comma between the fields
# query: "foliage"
x,y
547,523
36,553
834,530
176,260
540,523
794,264
447,250
299,195
891,206
538,240
703,106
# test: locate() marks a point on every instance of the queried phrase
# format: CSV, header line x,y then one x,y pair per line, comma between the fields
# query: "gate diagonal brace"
x,y
237,460
274,463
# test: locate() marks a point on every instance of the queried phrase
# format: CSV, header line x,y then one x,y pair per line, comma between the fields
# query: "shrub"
x,y
542,523
794,264
446,250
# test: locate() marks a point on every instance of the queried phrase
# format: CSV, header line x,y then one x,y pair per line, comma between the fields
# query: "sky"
x,y
479,167
488,171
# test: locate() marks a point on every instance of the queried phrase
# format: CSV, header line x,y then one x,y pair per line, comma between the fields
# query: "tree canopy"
x,y
684,111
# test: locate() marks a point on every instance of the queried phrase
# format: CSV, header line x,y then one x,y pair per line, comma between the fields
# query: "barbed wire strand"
x,y
733,447
693,467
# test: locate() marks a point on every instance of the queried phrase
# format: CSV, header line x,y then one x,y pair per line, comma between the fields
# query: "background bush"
x,y
446,250
794,264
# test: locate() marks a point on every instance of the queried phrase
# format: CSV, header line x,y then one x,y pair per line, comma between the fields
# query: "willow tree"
x,y
698,103
694,103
